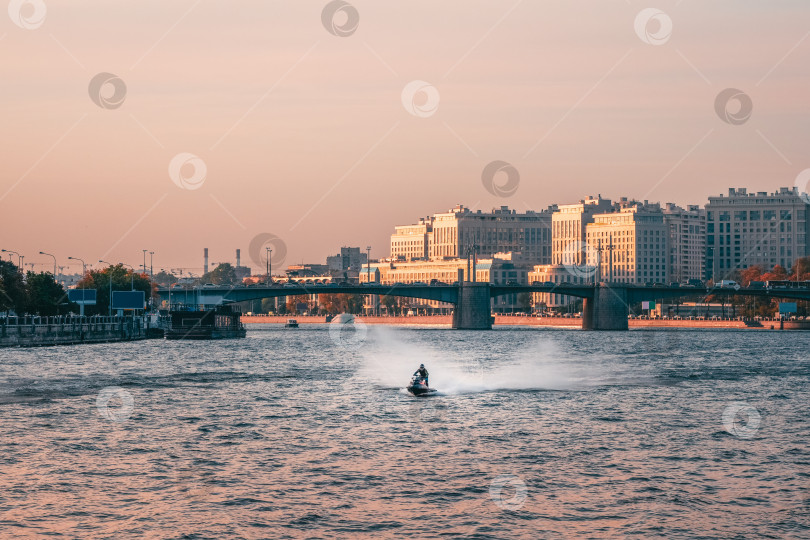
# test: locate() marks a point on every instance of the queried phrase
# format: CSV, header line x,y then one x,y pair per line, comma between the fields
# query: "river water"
x,y
308,433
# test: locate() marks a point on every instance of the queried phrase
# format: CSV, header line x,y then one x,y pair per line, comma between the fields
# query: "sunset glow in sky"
x,y
285,128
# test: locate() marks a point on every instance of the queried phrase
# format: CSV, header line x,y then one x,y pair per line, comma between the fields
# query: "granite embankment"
x,y
502,320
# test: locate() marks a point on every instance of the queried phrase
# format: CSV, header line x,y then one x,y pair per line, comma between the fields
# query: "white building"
x,y
568,225
455,233
630,246
687,242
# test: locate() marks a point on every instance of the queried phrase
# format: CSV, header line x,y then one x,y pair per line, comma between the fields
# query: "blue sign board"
x,y
83,297
787,307
128,300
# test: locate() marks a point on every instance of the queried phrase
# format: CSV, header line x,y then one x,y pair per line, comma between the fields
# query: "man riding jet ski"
x,y
419,383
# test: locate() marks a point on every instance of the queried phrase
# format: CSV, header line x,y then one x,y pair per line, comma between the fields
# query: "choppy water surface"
x,y
302,433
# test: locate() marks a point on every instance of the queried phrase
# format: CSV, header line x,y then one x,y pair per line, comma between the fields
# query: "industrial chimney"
x,y
206,261
238,258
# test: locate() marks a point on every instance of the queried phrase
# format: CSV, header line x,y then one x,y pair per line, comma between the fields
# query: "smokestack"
x,y
206,260
238,258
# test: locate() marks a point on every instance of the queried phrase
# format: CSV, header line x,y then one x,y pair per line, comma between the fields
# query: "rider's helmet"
x,y
421,365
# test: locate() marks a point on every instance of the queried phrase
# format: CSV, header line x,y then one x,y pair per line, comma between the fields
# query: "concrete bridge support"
x,y
472,311
607,310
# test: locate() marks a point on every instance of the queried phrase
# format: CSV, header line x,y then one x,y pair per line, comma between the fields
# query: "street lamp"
x,y
54,262
84,266
19,257
151,265
269,265
109,304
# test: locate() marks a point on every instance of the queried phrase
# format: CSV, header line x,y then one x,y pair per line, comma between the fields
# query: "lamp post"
x,y
368,264
84,266
19,258
151,265
269,252
109,304
54,262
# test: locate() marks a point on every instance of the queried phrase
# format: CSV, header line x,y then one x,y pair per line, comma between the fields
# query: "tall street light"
x,y
84,266
54,262
269,252
151,265
19,257
109,304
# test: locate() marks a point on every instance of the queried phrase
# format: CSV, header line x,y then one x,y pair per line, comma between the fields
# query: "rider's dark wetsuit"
x,y
422,372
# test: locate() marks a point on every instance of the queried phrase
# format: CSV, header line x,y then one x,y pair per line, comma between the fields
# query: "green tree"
x,y
223,274
122,280
524,301
164,279
12,288
45,295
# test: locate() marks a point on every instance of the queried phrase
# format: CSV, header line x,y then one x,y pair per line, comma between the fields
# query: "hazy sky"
x,y
305,134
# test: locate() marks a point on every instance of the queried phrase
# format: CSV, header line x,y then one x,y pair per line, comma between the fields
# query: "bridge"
x,y
605,307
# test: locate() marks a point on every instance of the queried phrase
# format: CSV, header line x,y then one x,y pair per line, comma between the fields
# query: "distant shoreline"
x,y
500,320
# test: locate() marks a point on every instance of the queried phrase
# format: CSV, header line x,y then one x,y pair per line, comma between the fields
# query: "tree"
x,y
164,279
223,274
122,278
12,288
44,294
524,301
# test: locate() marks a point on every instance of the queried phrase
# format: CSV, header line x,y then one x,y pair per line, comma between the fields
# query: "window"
x,y
724,216
740,215
755,215
785,214
768,215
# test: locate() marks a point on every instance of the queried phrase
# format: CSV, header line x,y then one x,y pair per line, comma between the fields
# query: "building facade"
x,y
629,246
412,241
745,229
456,233
687,242
568,225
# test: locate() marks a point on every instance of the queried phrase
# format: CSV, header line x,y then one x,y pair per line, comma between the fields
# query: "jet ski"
x,y
419,387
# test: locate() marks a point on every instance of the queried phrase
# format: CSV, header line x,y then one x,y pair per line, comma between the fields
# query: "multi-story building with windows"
x,y
629,246
568,229
687,242
455,233
745,229
412,241
502,268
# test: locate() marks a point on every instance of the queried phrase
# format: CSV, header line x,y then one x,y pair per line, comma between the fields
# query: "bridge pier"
x,y
607,310
472,312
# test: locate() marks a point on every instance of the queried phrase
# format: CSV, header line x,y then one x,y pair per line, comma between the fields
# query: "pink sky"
x,y
304,134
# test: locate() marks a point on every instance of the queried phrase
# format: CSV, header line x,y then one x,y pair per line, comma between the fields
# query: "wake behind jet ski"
x,y
419,385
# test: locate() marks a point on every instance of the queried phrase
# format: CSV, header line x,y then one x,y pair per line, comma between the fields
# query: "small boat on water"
x,y
291,323
219,322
